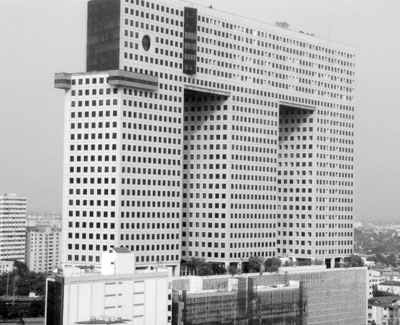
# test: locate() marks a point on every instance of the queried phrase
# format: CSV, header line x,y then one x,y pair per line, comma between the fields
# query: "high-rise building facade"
x,y
43,248
196,133
12,227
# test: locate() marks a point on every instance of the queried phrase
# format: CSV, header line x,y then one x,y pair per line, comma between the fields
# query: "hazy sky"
x,y
41,37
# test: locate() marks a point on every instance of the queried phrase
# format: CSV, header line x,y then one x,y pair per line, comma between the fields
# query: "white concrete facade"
x,y
12,227
374,278
6,267
251,153
132,298
43,248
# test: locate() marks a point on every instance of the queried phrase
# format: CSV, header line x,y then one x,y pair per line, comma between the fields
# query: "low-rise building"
x,y
43,246
374,278
391,275
6,266
384,310
392,287
117,295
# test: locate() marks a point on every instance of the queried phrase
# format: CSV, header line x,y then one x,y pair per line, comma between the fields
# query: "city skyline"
x,y
32,165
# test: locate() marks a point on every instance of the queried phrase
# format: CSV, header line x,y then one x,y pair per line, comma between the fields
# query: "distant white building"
x,y
390,275
392,287
6,266
384,310
53,220
374,278
116,294
12,227
43,246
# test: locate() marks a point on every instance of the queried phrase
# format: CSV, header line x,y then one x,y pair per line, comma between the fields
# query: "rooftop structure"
x,y
113,296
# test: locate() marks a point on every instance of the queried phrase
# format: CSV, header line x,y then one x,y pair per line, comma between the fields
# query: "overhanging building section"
x,y
62,80
288,105
193,90
122,78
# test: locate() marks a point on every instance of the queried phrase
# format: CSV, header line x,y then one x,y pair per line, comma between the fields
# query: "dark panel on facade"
x,y
54,303
190,41
103,35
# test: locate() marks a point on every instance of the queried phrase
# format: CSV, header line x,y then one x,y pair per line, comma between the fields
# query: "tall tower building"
x,y
12,227
196,133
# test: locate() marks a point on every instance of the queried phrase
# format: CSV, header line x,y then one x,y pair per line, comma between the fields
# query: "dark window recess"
x,y
190,41
146,43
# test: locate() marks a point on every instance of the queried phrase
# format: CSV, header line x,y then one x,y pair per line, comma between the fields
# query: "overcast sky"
x,y
41,37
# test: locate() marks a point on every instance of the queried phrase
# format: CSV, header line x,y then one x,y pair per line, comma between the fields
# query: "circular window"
x,y
146,42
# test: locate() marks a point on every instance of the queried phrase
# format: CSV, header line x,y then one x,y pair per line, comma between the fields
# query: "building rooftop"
x,y
390,283
388,301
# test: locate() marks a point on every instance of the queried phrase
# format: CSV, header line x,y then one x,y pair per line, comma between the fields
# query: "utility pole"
x,y
392,280
13,298
8,280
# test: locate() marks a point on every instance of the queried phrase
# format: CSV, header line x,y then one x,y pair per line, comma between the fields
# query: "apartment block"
x,y
12,227
197,133
384,310
43,248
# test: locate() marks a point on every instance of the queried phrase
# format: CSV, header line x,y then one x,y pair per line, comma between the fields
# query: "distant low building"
x,y
384,310
392,287
390,275
43,246
117,295
374,278
6,266
52,220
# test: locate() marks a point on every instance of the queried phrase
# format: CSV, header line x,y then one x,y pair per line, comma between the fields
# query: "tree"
x,y
205,269
194,264
232,270
254,264
392,260
199,266
218,268
36,308
354,261
282,24
272,264
25,282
